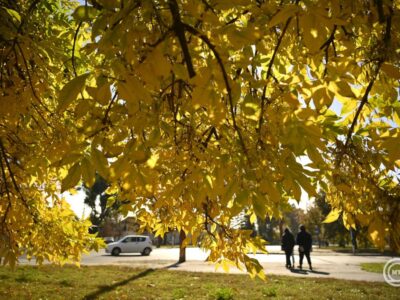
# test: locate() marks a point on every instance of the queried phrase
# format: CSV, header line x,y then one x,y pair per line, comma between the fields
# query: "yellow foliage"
x,y
195,114
332,216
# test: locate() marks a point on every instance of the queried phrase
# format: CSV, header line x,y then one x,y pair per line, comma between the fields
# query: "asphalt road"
x,y
326,264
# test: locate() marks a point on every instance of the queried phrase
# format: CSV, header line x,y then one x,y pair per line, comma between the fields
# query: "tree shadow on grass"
x,y
174,265
123,255
108,288
305,272
319,272
298,271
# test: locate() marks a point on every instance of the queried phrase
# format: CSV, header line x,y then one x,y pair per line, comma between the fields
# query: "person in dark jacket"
x,y
304,241
287,246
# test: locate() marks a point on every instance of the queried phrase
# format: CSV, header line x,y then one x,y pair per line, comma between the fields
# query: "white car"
x,y
131,244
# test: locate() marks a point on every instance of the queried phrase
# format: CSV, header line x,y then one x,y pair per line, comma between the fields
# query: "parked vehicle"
x,y
108,239
131,244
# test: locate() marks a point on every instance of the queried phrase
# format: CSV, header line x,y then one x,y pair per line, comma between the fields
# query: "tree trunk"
x,y
159,241
262,229
353,235
182,249
281,222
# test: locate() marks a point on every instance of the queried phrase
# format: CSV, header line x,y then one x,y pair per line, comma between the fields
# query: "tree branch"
x,y
104,121
325,45
269,71
11,174
179,29
364,100
3,173
208,217
213,131
211,46
73,47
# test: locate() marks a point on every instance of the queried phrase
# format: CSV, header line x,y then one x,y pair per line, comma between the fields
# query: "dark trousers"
x,y
288,254
307,254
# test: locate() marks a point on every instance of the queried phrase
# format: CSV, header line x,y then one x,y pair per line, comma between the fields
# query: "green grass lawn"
x,y
377,267
373,267
361,250
113,282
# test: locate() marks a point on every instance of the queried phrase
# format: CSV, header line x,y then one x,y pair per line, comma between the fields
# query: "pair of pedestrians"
x,y
304,241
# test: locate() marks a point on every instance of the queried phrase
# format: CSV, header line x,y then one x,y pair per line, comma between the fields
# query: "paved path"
x,y
326,264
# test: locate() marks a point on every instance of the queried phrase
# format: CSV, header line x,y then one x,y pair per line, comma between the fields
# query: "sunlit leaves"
x,y
84,13
70,91
376,231
40,152
391,71
88,172
99,162
332,216
72,178
274,83
16,17
284,14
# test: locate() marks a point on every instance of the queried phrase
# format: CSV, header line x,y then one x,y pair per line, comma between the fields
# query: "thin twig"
x,y
30,78
11,174
260,120
3,172
208,217
269,72
211,46
364,100
104,121
212,132
329,41
73,47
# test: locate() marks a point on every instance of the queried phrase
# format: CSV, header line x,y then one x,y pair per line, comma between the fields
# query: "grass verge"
x,y
373,267
115,282
387,252
378,267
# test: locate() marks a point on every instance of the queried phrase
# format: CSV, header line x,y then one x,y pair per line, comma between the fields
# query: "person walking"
x,y
304,240
287,246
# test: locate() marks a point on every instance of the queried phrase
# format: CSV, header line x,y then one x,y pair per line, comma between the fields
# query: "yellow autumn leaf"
x,y
253,218
152,161
100,162
72,178
391,70
349,106
332,216
341,88
348,221
88,172
104,94
284,14
376,232
270,188
70,91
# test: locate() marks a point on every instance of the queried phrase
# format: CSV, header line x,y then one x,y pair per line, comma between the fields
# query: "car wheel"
x,y
116,251
146,251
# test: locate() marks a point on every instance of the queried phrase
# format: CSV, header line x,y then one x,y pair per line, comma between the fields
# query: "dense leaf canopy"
x,y
195,111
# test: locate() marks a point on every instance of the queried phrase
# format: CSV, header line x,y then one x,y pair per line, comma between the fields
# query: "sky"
x,y
77,205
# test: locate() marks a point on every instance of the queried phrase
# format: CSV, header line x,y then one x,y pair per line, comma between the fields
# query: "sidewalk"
x,y
348,272
326,263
